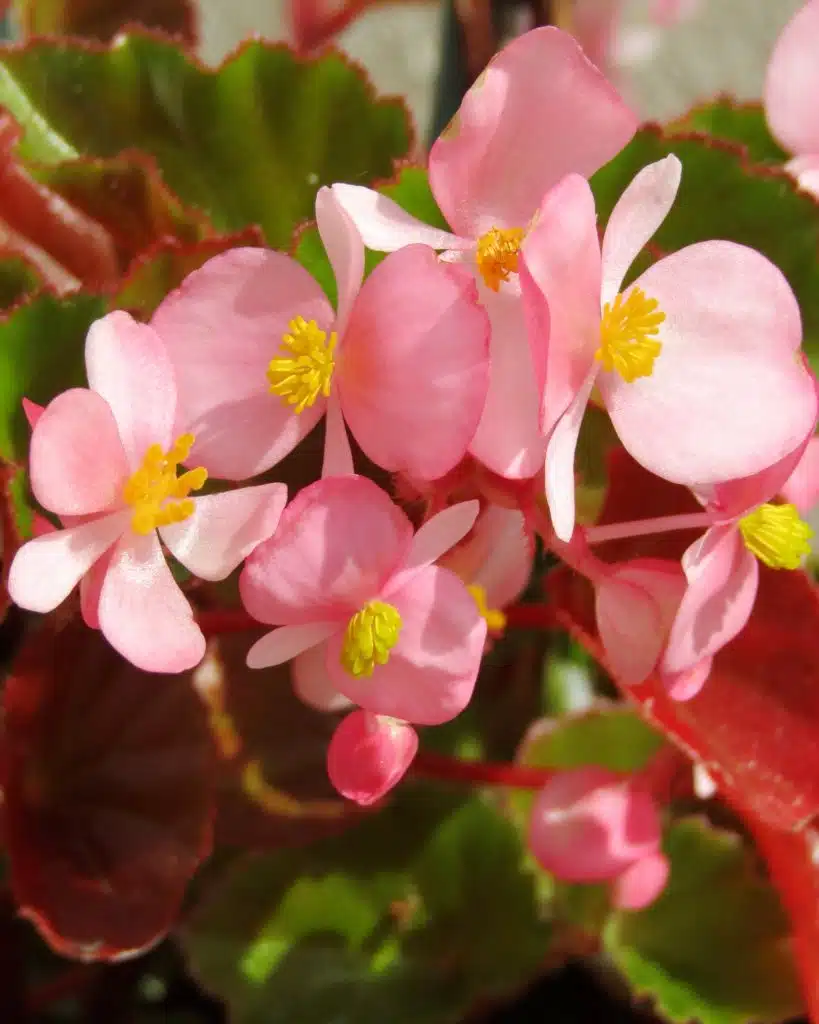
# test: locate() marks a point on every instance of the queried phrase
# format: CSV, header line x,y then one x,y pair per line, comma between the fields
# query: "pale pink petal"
x,y
639,212
222,327
802,486
792,83
539,111
288,642
45,570
345,250
498,555
687,684
589,825
385,226
594,25
509,440
438,534
562,255
560,461
727,396
311,680
369,754
806,171
338,542
413,374
142,612
431,671
225,528
722,582
338,456
641,883
77,464
127,364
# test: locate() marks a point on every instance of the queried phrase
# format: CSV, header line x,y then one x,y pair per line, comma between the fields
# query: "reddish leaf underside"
x,y
107,773
102,19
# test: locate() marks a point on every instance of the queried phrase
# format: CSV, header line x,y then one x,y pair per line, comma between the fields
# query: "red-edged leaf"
x,y
755,724
107,778
103,19
274,789
10,534
315,22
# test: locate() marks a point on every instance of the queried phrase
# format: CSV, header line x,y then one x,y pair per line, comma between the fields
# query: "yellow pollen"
x,y
628,329
159,497
305,373
776,535
495,619
497,255
371,635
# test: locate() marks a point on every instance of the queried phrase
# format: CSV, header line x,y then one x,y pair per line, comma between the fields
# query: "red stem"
x,y
428,765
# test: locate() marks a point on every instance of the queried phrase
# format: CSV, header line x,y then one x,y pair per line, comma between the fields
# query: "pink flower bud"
x,y
369,754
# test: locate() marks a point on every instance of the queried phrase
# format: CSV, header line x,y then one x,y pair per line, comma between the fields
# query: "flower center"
x,y
371,635
157,495
300,377
776,535
494,617
628,330
497,255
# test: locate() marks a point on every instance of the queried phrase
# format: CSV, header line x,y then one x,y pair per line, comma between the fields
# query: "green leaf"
x,y
408,918
728,119
249,143
715,946
723,195
18,279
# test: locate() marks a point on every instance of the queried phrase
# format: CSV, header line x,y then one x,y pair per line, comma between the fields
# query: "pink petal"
x,y
225,528
431,672
687,684
77,463
562,255
440,533
339,541
498,555
368,755
727,397
288,642
722,582
594,25
311,681
802,486
539,111
32,411
560,460
792,83
509,440
589,825
142,612
91,588
127,362
806,171
338,456
222,327
45,570
345,250
413,375
639,212
385,226
641,883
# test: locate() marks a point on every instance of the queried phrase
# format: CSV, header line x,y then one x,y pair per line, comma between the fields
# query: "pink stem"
x,y
428,765
645,527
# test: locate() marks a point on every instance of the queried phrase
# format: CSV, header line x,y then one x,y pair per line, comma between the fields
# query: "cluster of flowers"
x,y
462,366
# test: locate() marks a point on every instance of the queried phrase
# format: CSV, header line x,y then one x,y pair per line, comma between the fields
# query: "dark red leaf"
x,y
103,19
108,774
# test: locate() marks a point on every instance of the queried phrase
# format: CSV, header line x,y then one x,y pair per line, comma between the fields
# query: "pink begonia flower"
x,y
105,461
398,635
369,754
590,825
260,357
494,561
791,87
696,362
801,489
539,111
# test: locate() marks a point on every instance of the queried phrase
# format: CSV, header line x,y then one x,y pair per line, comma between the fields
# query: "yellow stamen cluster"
x,y
776,535
371,635
497,255
157,495
628,329
305,373
495,619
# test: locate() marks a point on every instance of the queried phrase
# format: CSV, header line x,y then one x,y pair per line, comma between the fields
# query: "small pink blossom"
x,y
590,825
488,172
344,572
260,357
697,361
369,754
105,461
